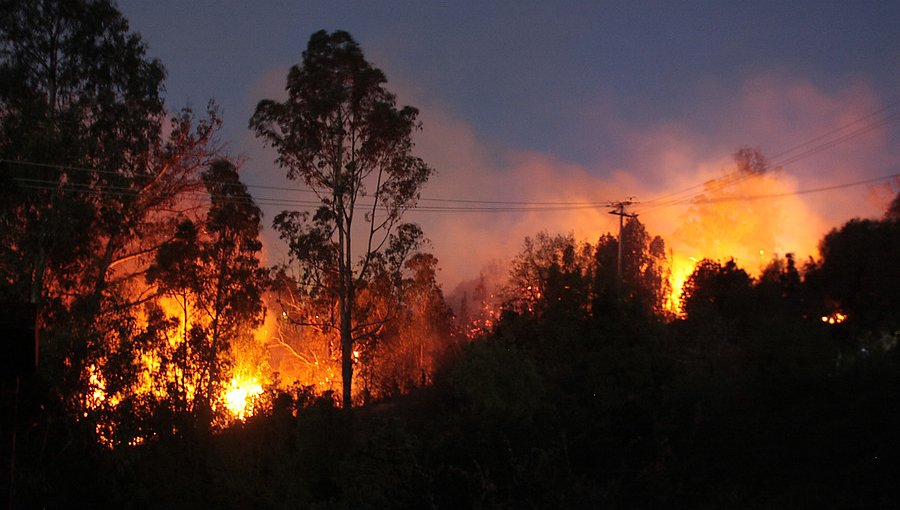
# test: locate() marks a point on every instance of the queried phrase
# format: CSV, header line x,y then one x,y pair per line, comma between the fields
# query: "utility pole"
x,y
619,210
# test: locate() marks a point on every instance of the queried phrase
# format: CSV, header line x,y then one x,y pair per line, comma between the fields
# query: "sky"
x,y
578,103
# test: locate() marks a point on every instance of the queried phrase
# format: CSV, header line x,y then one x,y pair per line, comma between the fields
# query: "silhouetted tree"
x,y
857,273
717,300
82,146
645,273
780,288
341,134
605,298
214,273
551,275
89,176
893,211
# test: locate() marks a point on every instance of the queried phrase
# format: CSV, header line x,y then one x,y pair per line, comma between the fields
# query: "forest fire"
x,y
181,332
741,216
173,373
297,343
680,269
240,396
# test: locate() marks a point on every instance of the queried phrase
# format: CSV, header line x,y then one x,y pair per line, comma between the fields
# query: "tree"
x,y
718,299
858,275
91,182
551,275
645,269
416,338
214,273
893,210
645,276
779,287
75,92
341,133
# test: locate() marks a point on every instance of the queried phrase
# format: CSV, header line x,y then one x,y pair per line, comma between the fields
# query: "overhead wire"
x,y
307,190
275,202
784,158
810,147
471,205
807,191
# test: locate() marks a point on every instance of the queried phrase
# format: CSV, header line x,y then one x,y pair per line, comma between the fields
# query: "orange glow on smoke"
x,y
680,269
750,217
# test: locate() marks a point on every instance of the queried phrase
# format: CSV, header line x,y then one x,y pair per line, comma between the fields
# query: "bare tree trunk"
x,y
37,278
346,303
345,299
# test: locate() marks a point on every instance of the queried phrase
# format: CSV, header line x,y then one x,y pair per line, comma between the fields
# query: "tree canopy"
x,y
341,133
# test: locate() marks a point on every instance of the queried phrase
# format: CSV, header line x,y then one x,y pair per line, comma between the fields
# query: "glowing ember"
x,y
239,398
98,385
835,318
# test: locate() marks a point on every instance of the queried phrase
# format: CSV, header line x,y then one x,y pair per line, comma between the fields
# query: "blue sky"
x,y
574,101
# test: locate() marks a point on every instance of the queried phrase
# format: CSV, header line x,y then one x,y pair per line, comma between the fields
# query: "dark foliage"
x,y
582,396
738,405
341,133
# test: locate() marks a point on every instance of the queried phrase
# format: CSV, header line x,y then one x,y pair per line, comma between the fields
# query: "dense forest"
x,y
175,370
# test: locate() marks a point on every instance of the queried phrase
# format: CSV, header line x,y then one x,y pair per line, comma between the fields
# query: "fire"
x,y
835,318
242,393
750,214
166,371
680,269
97,385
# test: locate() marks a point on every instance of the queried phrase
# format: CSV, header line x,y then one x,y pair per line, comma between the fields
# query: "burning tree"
x,y
91,182
213,274
185,360
341,133
723,222
551,275
404,356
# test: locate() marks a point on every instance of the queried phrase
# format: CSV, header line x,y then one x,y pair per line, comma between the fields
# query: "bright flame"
x,y
97,384
680,268
835,318
725,222
241,395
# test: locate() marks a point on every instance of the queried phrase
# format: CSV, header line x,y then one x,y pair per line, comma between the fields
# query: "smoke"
x,y
773,112
776,215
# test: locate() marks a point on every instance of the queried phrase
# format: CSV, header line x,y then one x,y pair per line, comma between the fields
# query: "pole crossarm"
x,y
619,210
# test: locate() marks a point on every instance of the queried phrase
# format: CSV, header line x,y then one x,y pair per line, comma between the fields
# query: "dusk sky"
x,y
576,102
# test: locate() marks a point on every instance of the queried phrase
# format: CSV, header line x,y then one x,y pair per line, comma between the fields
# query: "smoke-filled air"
x,y
497,255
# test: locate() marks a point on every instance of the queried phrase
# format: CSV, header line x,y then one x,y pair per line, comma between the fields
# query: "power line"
x,y
44,185
104,189
588,204
737,177
804,191
837,141
836,130
501,206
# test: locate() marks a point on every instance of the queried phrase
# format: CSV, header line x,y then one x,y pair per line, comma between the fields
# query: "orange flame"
x,y
240,396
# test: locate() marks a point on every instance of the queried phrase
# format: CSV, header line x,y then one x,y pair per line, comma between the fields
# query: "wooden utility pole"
x,y
619,210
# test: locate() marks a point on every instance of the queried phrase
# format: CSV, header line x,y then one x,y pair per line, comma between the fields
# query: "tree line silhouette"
x,y
579,391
